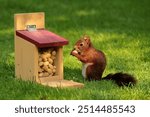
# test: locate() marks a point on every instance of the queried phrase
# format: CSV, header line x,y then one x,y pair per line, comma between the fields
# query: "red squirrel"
x,y
94,63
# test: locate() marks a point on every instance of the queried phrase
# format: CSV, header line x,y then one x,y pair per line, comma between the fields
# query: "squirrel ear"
x,y
88,40
85,37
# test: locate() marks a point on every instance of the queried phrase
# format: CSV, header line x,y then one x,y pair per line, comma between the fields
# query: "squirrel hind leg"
x,y
93,75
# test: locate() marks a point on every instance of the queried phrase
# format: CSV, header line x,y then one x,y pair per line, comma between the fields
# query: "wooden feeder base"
x,y
63,84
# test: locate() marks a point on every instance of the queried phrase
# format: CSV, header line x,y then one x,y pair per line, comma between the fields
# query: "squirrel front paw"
x,y
74,52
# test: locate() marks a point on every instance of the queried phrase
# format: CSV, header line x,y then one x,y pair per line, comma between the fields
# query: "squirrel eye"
x,y
81,44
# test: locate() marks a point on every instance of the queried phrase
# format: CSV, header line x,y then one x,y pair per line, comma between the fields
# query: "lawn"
x,y
119,28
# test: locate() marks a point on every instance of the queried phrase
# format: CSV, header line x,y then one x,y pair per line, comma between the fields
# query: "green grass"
x,y
119,28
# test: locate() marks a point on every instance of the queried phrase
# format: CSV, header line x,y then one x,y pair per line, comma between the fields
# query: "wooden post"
x,y
26,56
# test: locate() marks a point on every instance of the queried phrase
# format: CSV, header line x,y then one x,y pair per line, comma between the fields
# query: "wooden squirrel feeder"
x,y
39,52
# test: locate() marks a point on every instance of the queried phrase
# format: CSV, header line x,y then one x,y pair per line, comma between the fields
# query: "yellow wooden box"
x,y
30,36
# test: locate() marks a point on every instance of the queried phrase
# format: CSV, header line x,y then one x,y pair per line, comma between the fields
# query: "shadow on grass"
x,y
73,74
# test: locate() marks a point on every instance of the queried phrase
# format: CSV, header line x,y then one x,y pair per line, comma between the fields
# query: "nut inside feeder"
x,y
46,62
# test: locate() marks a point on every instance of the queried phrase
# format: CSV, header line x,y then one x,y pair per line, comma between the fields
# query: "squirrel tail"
x,y
121,79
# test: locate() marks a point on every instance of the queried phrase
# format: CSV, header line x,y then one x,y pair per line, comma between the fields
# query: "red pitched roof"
x,y
42,38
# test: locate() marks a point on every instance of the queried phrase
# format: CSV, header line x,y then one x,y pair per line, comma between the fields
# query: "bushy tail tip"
x,y
121,79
